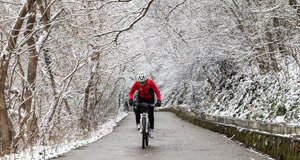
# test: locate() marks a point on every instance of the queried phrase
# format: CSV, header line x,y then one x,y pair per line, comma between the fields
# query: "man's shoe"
x,y
151,133
138,126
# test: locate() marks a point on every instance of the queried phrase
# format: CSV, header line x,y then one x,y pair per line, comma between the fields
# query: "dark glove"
x,y
131,102
158,104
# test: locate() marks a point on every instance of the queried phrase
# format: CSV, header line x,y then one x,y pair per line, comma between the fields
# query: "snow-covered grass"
x,y
256,98
47,152
259,97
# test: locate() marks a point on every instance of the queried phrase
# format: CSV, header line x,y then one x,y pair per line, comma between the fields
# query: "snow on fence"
x,y
255,125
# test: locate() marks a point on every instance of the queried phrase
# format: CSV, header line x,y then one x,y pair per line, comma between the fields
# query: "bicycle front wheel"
x,y
144,134
147,139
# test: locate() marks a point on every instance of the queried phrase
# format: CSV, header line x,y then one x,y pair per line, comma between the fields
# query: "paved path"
x,y
174,140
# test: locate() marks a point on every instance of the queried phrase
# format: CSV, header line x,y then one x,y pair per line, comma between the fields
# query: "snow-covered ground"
x,y
46,152
261,98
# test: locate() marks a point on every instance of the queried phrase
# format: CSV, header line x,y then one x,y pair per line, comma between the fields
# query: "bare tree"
x,y
72,79
8,50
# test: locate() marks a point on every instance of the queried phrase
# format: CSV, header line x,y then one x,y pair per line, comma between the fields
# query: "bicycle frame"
x,y
145,123
145,115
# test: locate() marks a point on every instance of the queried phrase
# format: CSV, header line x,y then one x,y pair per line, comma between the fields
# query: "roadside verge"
x,y
277,140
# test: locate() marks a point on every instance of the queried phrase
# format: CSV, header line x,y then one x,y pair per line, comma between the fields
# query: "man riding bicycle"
x,y
146,88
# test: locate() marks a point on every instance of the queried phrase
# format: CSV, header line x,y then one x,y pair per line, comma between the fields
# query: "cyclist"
x,y
126,107
146,88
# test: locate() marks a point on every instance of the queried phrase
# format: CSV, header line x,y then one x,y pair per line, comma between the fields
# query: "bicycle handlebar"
x,y
143,104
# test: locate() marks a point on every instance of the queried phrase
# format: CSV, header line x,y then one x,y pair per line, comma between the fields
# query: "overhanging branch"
x,y
118,32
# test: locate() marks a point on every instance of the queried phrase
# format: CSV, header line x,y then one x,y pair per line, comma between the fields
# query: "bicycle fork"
x,y
144,115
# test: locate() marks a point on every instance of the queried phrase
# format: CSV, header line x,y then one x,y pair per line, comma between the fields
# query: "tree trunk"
x,y
31,72
87,95
294,4
271,49
6,132
271,45
47,57
6,135
87,90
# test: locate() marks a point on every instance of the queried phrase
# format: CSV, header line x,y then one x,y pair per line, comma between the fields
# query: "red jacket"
x,y
144,90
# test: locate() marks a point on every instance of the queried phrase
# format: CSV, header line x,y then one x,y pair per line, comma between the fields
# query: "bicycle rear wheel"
x,y
144,134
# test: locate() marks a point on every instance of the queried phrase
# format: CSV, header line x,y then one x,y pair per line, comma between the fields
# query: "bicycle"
x,y
145,127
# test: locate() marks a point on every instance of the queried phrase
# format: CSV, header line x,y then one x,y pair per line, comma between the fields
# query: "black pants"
x,y
150,114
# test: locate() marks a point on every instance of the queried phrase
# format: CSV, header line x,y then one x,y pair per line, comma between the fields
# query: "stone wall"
x,y
267,138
